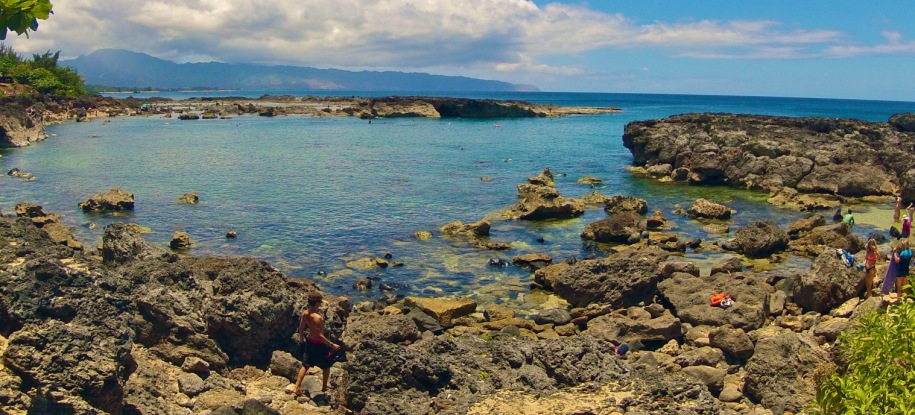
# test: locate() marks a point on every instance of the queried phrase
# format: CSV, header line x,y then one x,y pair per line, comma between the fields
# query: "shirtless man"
x,y
319,350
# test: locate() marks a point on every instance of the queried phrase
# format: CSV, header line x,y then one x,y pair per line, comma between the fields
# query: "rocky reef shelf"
x,y
804,163
22,117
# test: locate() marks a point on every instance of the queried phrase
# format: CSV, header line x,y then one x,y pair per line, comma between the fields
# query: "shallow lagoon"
x,y
311,194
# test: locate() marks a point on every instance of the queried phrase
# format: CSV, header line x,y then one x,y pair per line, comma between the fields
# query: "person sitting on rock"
x,y
319,351
836,217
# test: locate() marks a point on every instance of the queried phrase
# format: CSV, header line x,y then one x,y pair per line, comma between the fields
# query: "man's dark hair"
x,y
315,298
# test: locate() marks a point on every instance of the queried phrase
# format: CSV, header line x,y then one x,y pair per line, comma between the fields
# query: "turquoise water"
x,y
310,194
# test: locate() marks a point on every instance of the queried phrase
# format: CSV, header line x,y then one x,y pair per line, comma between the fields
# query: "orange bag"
x,y
717,299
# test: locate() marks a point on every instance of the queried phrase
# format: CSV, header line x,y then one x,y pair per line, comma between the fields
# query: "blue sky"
x,y
811,48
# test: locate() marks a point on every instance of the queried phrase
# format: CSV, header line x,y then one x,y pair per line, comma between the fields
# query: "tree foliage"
x,y
21,16
880,375
42,73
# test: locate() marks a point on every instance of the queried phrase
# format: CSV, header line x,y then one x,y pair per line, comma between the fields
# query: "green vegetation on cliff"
x,y
42,73
880,371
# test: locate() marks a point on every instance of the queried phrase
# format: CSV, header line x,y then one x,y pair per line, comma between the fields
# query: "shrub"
x,y
42,72
879,377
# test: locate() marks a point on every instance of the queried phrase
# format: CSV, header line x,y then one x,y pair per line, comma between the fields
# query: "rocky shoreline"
x,y
22,118
804,163
133,328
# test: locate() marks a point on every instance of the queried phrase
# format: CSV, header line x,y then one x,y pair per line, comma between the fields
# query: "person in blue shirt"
x,y
903,259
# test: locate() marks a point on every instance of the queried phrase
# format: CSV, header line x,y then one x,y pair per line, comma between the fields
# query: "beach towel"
x,y
889,280
847,258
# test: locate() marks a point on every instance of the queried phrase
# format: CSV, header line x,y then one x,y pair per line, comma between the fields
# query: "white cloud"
x,y
503,35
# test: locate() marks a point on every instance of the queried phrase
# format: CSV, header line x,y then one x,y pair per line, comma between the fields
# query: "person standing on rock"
x,y
890,278
870,266
319,351
897,209
903,259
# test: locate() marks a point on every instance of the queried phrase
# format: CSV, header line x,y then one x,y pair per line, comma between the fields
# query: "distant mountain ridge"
x,y
123,68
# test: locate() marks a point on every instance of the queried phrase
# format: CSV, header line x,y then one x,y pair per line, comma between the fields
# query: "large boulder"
x,y
477,229
542,209
29,210
904,122
705,209
180,240
805,225
444,310
621,203
123,243
761,239
620,227
255,307
734,342
783,370
620,280
635,324
656,221
114,200
539,200
835,236
690,296
827,284
393,328
190,198
60,233
81,361
17,127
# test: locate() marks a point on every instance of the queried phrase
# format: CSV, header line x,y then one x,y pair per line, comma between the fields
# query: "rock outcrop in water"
x,y
112,200
540,200
840,157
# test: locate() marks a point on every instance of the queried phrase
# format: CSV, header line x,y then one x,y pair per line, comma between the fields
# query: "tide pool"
x,y
310,195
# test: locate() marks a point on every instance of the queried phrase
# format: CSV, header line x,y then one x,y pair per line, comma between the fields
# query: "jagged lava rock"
x,y
476,229
813,155
827,284
623,227
114,200
191,198
444,310
620,203
690,295
782,372
623,279
705,209
761,239
17,127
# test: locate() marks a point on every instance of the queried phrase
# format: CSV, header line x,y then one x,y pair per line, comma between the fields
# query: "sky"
x,y
807,48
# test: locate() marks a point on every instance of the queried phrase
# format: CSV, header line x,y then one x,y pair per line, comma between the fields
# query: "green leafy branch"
x,y
21,16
